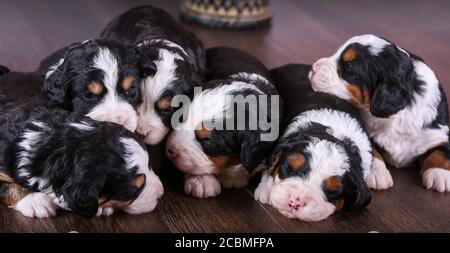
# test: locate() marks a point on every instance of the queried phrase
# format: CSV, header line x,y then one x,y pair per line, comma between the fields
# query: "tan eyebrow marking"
x,y
127,83
95,87
349,55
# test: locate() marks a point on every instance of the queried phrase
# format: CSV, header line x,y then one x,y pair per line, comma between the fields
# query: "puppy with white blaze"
x,y
53,159
97,78
320,162
213,145
175,55
399,98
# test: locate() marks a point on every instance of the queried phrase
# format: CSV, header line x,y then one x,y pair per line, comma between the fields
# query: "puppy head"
x,y
174,75
202,144
370,72
313,178
110,169
99,79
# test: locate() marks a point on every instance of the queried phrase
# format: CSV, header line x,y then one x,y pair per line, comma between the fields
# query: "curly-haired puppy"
x,y
176,54
399,98
323,156
216,145
65,160
98,78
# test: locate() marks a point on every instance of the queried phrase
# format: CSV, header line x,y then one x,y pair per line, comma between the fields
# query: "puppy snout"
x,y
296,202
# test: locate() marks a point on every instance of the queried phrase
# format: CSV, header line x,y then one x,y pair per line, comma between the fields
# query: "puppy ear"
x,y
81,195
54,88
355,190
146,66
388,99
253,151
4,70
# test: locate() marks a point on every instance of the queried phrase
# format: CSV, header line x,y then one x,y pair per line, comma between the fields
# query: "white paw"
x,y
36,204
202,186
262,192
105,211
379,177
235,177
437,179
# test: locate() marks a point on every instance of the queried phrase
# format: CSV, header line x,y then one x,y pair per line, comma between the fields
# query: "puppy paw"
x,y
437,179
235,177
37,205
262,192
379,177
202,186
104,211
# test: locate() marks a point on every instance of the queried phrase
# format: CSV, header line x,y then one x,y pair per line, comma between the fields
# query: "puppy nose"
x,y
296,202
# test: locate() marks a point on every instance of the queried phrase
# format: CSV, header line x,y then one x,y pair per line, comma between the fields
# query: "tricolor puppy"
x,y
65,160
97,78
319,163
399,98
174,52
222,138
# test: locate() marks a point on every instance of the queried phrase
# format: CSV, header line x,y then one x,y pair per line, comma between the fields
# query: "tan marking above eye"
x,y
164,103
436,159
296,161
276,165
201,132
139,181
333,183
349,55
127,83
223,161
359,96
95,87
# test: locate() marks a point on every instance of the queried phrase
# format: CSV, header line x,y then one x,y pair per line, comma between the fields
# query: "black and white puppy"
x,y
214,145
399,98
97,78
65,160
319,163
176,54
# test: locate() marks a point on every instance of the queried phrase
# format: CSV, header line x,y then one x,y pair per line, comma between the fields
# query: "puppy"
x,y
176,54
215,145
65,160
399,98
97,78
319,164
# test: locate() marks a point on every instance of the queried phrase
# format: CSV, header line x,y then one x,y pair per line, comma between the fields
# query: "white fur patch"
x,y
29,141
84,126
379,177
250,77
202,186
53,68
437,179
341,126
112,108
167,43
153,189
37,205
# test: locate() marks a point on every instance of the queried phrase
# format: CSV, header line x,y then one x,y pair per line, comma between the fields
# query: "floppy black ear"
x,y
81,195
146,66
355,190
54,88
4,70
253,151
388,99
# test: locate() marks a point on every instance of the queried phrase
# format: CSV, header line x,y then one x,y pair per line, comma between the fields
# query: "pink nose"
x,y
296,202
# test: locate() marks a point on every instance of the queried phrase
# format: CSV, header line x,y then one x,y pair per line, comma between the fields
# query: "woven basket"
x,y
230,14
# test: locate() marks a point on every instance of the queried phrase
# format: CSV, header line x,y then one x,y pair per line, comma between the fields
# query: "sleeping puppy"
x,y
216,145
176,54
319,163
97,78
399,98
51,158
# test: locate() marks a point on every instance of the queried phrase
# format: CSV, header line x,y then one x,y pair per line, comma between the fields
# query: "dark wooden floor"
x,y
302,31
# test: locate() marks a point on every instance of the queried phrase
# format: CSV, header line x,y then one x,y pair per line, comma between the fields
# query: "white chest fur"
x,y
405,135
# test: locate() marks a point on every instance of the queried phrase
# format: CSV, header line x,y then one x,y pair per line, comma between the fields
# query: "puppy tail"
x,y
4,70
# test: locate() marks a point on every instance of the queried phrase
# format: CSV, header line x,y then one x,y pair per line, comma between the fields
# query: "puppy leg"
x,y
379,177
234,177
262,192
104,211
202,186
436,170
36,204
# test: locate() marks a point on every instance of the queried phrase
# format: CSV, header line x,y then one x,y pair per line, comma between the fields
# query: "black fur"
x,y
80,166
244,144
298,97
